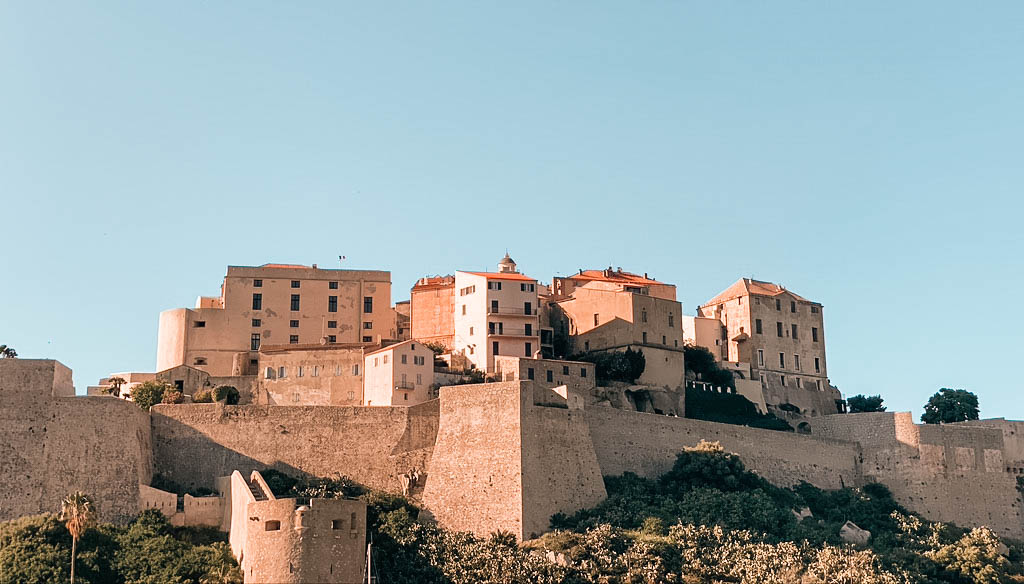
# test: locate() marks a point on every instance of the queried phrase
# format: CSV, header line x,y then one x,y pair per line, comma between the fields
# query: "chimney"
x,y
645,276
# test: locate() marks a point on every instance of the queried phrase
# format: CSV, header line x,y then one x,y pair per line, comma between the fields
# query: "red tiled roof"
x,y
503,276
747,286
615,277
434,282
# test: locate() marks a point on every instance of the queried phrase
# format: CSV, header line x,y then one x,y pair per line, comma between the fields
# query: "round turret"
x,y
506,265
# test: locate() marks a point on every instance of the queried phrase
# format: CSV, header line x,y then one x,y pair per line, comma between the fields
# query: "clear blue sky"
x,y
865,155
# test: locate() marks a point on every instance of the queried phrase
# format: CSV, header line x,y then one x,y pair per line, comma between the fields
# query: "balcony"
x,y
511,311
509,331
404,385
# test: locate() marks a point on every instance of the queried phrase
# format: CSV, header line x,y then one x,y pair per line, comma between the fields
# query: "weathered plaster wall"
x,y
195,443
647,444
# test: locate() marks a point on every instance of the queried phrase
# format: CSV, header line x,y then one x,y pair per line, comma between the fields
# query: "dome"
x,y
506,264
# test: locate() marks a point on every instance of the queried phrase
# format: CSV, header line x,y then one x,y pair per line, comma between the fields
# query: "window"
x,y
565,369
792,308
527,308
643,316
782,359
529,372
257,301
796,361
295,283
522,287
419,379
645,337
332,285
421,360
200,361
337,370
254,342
295,301
367,325
367,339
405,359
463,310
199,324
528,329
798,383
355,369
470,331
817,365
671,321
269,374
300,371
529,349
586,345
757,326
257,283
597,319
494,306
282,372
256,322
293,323
332,324
778,328
494,348
332,304
385,359
551,375
272,526
491,327
316,371
814,334
583,372
778,304
814,310
783,377
817,383
794,332
293,339
368,304
337,524
351,395
467,290
663,340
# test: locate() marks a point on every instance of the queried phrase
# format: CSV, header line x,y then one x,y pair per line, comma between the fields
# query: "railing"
x,y
512,332
404,385
515,311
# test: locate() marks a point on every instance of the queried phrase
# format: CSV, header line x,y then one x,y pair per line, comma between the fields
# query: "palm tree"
x,y
79,514
7,352
115,385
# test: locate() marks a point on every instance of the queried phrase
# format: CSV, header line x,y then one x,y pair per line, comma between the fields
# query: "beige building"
x,y
780,334
578,376
495,314
312,375
398,375
432,310
612,310
275,304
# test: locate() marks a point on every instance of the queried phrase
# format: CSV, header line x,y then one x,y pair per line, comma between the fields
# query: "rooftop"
x,y
502,276
616,277
748,286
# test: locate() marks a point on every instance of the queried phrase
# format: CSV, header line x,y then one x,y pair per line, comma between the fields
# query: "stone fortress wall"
x,y
52,444
492,456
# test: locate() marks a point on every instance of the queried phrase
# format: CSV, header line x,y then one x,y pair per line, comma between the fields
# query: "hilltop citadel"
x,y
472,398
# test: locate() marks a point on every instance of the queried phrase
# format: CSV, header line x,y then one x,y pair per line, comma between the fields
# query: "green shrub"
x,y
173,396
729,408
203,396
626,366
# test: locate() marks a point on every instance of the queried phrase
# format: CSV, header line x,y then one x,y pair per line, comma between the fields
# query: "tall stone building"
x,y
275,304
432,310
612,310
780,334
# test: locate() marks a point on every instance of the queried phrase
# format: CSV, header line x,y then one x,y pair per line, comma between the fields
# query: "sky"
x,y
865,155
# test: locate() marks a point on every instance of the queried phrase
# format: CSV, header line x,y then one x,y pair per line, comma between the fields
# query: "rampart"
x,y
52,444
195,443
647,444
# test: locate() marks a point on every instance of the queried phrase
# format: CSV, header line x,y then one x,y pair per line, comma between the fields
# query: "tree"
x,y
114,388
173,397
859,404
950,405
7,352
78,514
149,393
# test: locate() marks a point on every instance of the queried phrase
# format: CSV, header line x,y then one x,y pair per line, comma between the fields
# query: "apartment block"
x,y
432,310
612,310
399,375
276,304
780,334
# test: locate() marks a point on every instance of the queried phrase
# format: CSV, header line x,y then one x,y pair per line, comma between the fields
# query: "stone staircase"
x,y
257,490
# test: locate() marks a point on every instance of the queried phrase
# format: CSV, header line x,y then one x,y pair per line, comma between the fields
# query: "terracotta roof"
x,y
389,347
429,282
747,286
616,277
503,276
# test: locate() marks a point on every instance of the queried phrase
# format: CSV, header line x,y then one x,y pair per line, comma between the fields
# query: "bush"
x,y
173,397
149,393
865,403
705,367
221,393
626,366
203,396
